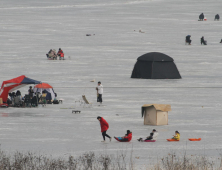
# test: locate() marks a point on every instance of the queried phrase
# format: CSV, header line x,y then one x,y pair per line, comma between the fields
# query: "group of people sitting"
x,y
17,100
154,134
152,137
201,17
31,99
45,98
53,55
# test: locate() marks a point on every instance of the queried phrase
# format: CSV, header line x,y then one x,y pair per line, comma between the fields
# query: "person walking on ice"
x,y
99,89
104,127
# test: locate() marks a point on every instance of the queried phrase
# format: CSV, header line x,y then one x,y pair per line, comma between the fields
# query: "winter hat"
x,y
128,131
177,131
154,130
98,117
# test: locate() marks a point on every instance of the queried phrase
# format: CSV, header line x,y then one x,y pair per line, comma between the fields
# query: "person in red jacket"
x,y
104,127
60,54
126,138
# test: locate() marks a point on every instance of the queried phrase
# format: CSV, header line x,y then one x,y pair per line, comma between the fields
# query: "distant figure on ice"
x,y
202,41
217,17
99,89
201,17
104,127
176,136
126,138
188,40
60,54
52,54
153,136
221,41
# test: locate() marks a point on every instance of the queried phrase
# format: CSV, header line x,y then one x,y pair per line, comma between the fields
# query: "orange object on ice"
x,y
173,140
194,139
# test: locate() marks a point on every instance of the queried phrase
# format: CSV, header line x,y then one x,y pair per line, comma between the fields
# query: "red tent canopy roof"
x,y
14,84
43,86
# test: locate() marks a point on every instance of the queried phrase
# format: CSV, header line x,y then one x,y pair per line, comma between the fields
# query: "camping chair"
x,y
43,99
17,101
27,100
86,102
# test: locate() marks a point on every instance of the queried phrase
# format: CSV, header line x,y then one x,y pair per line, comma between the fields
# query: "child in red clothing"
x,y
60,54
125,138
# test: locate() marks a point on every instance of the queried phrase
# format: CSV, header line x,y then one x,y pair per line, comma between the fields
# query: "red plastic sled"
x,y
149,141
173,140
4,105
195,139
120,140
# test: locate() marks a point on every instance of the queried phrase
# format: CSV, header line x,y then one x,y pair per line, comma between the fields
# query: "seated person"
x,y
126,138
201,17
60,54
217,17
52,54
202,41
188,40
153,136
176,136
147,138
18,94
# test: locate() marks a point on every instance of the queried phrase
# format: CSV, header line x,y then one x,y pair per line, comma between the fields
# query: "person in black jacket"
x,y
201,17
202,41
217,17
188,40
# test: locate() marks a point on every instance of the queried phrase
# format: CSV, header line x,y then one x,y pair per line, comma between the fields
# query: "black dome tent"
x,y
155,65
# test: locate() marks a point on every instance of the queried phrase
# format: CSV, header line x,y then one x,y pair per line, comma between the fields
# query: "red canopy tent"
x,y
14,84
43,86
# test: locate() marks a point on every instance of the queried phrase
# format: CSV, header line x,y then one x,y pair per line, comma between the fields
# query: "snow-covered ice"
x,y
28,29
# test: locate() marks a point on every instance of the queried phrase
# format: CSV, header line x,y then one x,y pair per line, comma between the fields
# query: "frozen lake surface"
x,y
28,29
